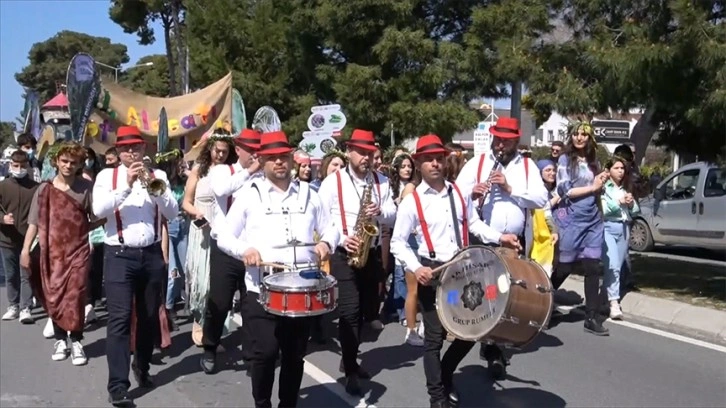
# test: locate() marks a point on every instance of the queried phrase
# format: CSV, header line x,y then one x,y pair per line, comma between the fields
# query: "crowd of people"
x,y
99,232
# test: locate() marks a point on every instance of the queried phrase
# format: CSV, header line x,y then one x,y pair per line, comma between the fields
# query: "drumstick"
x,y
274,265
441,267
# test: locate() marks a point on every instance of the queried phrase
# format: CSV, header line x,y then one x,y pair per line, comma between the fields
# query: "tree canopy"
x,y
152,81
7,134
49,60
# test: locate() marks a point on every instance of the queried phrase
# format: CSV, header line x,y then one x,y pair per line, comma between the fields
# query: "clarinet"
x,y
497,162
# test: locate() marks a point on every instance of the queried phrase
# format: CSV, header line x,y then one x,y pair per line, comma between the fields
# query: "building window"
x,y
550,136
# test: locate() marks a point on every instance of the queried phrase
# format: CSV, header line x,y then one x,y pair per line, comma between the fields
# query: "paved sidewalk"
x,y
709,324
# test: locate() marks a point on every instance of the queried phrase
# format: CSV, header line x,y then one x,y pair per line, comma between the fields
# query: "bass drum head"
x,y
473,293
301,281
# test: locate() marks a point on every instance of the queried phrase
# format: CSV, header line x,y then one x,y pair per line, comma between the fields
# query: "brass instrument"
x,y
154,186
365,230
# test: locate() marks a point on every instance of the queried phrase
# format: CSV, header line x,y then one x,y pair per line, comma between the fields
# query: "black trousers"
x,y
591,269
131,273
273,336
226,276
439,372
95,279
357,297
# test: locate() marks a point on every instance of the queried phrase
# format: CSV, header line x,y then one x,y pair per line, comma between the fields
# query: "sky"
x,y
26,22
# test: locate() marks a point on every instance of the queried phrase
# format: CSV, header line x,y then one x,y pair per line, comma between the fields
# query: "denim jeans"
x,y
616,251
17,279
396,298
178,235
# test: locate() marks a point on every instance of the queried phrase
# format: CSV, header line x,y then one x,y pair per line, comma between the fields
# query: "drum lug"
x,y
512,319
543,289
284,301
308,302
519,282
536,325
323,297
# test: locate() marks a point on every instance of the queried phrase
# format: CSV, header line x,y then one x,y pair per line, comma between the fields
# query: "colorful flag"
x,y
83,86
239,118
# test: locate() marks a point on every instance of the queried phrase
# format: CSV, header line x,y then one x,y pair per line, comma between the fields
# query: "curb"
x,y
708,322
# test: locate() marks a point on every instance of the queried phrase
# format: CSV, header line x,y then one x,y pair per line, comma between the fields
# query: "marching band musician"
x,y
429,210
226,274
508,192
134,264
341,194
275,212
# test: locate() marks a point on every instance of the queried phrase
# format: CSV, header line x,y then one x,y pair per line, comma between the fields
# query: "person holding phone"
x,y
199,202
227,274
276,210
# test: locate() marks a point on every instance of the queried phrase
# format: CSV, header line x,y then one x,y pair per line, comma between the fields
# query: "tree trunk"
x,y
170,57
643,133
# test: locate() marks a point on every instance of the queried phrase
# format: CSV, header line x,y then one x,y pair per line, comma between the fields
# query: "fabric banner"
x,y
189,116
82,84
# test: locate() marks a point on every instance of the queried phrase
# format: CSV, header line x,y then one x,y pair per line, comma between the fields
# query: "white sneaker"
x,y
48,331
12,313
420,329
615,312
61,350
26,317
90,314
413,338
78,356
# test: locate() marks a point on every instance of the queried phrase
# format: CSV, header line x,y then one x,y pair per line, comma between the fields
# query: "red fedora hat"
x,y
362,139
274,143
128,135
429,144
506,128
248,138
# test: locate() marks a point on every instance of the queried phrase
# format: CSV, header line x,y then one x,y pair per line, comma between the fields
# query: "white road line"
x,y
673,336
325,380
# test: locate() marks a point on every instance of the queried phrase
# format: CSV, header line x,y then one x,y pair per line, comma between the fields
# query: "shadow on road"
x,y
476,389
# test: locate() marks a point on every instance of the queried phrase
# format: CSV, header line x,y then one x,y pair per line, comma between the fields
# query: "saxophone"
x,y
365,230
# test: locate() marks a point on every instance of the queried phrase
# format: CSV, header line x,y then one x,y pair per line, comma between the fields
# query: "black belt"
x,y
152,246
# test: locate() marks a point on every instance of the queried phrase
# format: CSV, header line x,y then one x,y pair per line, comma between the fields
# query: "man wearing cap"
x,y
134,264
340,194
505,185
276,210
439,240
226,274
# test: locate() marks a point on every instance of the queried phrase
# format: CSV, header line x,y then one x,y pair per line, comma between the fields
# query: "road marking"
x,y
322,378
673,336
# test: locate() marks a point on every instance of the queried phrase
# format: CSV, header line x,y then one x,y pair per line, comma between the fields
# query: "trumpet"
x,y
154,186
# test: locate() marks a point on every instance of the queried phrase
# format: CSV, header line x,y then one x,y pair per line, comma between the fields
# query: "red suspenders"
x,y
117,213
425,226
481,166
340,198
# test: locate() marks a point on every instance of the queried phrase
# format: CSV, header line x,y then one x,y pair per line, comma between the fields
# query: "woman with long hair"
x,y
579,219
199,202
455,161
544,230
619,205
302,169
331,162
177,230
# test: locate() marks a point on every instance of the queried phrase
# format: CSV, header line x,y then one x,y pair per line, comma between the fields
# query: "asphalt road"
x,y
565,366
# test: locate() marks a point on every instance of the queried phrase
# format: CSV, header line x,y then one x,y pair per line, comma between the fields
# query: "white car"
x,y
687,208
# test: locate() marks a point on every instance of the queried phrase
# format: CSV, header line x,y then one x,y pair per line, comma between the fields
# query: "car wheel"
x,y
641,239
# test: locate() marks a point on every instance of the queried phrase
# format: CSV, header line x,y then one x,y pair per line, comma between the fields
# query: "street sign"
x,y
482,138
611,130
317,144
326,118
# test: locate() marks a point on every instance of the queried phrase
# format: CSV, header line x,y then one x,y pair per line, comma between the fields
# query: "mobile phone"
x,y
200,222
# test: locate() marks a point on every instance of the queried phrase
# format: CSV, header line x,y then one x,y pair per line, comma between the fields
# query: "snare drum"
x,y
299,293
489,294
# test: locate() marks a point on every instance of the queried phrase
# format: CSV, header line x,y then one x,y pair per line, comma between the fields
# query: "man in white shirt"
x,y
438,241
226,274
275,212
134,264
340,194
505,194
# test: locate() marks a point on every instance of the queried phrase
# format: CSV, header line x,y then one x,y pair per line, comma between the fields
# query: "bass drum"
x,y
489,294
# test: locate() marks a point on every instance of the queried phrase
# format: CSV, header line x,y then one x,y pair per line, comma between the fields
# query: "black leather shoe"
x,y
440,404
351,385
593,325
453,397
121,399
142,378
208,362
362,374
498,368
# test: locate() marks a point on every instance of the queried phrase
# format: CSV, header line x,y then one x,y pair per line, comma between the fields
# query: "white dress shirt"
x,y
506,212
268,219
436,207
225,184
352,188
136,207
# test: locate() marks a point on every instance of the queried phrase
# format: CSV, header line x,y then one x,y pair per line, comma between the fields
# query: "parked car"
x,y
687,208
